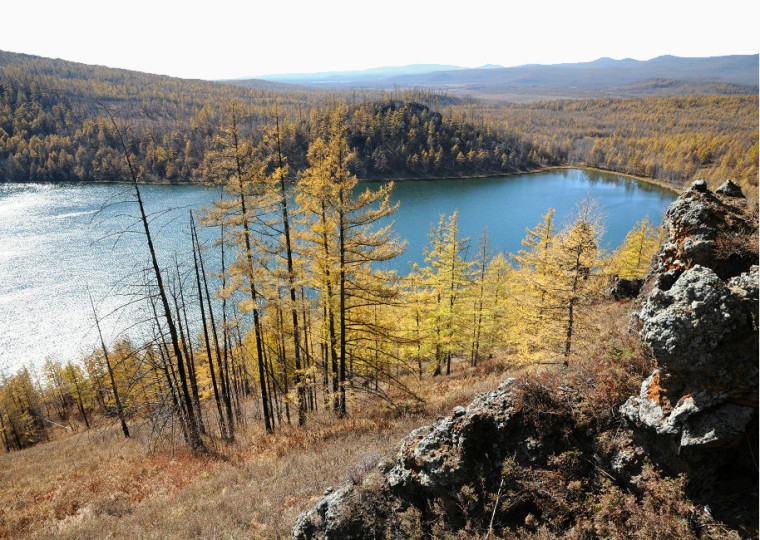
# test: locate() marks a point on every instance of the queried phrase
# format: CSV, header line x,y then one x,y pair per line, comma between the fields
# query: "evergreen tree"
x,y
532,281
354,222
573,278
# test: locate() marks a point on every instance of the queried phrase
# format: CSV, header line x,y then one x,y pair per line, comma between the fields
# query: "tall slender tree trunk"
x,y
268,418
479,321
209,354
342,308
282,355
222,374
452,294
196,443
309,359
330,316
292,283
571,306
191,356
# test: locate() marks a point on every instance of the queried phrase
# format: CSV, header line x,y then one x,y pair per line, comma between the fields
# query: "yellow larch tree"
x,y
631,259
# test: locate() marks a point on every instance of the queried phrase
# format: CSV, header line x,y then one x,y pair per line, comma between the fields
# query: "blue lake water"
x,y
59,240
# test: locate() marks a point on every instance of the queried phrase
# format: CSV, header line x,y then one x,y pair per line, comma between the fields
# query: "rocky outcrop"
x,y
433,462
716,230
699,317
687,325
330,518
436,458
436,464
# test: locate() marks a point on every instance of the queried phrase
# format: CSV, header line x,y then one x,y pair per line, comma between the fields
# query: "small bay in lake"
x,y
58,240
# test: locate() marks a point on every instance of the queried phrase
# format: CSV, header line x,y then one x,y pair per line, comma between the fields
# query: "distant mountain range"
x,y
605,77
358,76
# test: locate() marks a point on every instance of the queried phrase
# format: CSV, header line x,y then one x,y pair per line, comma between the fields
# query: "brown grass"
x,y
96,484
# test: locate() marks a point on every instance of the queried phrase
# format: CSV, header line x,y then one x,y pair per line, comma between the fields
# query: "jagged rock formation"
x,y
549,450
699,317
519,425
433,461
716,230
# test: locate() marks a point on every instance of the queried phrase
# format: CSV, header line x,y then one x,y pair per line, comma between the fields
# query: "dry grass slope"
x,y
96,484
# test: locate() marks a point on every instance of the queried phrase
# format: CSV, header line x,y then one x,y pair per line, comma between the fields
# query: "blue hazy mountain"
x,y
604,77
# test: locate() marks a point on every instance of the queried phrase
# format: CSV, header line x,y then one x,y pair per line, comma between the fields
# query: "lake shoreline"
x,y
653,181
660,183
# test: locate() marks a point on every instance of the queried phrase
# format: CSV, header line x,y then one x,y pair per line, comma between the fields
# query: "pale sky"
x,y
229,39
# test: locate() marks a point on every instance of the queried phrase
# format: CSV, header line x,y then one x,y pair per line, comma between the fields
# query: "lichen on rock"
x,y
699,317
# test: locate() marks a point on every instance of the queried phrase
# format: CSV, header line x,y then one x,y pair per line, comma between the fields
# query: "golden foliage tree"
x,y
631,259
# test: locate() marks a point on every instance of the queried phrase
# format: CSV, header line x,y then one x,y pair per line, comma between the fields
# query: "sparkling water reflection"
x,y
59,240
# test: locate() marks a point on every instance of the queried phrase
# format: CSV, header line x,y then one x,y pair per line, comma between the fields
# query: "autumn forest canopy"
x,y
304,314
287,325
53,126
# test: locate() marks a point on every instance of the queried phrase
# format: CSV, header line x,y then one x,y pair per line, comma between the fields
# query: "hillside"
x,y
673,139
586,452
355,355
550,452
54,126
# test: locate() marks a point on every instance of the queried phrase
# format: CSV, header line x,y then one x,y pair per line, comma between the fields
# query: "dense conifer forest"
x,y
673,139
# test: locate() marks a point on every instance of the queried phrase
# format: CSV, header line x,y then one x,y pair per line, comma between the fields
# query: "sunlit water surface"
x,y
57,241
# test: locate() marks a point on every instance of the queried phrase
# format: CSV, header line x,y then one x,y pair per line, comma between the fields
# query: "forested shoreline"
x,y
341,323
671,139
54,126
321,320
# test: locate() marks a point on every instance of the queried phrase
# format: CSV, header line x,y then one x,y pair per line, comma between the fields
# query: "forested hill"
x,y
407,138
136,94
53,126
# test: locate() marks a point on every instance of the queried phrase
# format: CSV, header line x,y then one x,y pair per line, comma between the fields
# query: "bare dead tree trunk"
x,y
114,388
190,355
195,441
222,377
196,248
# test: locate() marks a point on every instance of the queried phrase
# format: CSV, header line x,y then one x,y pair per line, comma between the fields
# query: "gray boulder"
x,y
745,285
434,459
330,516
687,323
621,288
703,418
730,189
432,462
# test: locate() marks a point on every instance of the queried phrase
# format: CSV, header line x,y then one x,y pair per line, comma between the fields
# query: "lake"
x,y
59,240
